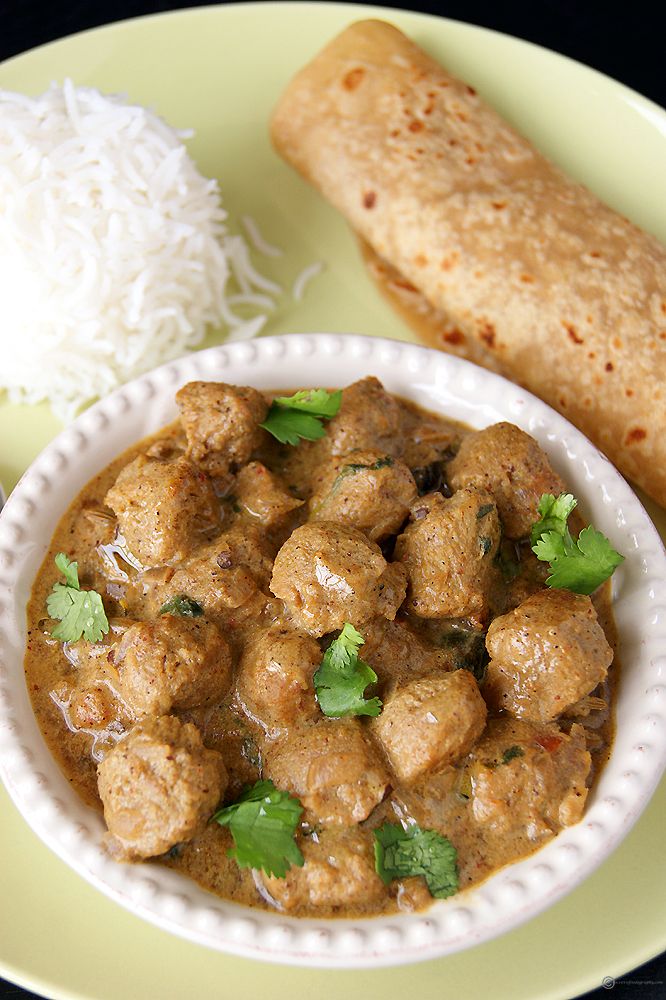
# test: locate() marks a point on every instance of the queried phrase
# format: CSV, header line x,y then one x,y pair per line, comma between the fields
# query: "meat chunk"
x,y
448,550
427,441
366,490
221,423
333,769
396,653
546,655
245,545
159,786
88,694
225,577
215,588
164,508
275,677
92,707
431,722
228,732
172,663
339,870
368,418
262,495
529,780
329,574
513,467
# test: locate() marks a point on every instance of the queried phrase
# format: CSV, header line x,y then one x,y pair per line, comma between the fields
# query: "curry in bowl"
x,y
326,653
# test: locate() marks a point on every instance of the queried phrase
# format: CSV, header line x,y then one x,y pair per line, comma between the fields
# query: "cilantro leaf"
x,y
319,402
84,617
552,546
80,612
289,426
580,566
59,601
554,513
343,677
182,605
586,564
262,822
401,853
70,570
291,418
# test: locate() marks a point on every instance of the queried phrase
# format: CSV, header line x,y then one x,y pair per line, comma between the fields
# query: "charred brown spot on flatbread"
x,y
353,78
573,333
487,334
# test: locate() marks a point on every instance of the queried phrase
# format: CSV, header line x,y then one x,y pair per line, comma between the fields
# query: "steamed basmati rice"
x,y
114,254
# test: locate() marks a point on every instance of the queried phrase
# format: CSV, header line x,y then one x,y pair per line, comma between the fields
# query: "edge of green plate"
x,y
644,119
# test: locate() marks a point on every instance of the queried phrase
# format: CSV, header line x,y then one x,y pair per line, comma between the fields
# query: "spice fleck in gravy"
x,y
495,689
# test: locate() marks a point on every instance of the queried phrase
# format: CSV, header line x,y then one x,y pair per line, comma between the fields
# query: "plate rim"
x,y
636,956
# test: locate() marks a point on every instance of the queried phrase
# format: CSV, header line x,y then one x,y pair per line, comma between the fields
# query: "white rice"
x,y
258,241
304,279
114,255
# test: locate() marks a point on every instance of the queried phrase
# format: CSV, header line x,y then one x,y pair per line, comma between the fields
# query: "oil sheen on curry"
x,y
241,577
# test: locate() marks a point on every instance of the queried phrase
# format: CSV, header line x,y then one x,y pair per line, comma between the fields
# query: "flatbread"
x,y
527,271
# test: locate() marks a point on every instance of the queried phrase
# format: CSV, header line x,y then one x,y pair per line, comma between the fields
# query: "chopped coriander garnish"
x,y
182,605
507,560
70,571
343,677
485,544
401,853
350,470
468,650
291,418
251,752
581,565
263,821
511,753
553,515
80,612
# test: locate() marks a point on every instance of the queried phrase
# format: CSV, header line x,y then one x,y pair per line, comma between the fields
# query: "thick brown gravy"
x,y
443,800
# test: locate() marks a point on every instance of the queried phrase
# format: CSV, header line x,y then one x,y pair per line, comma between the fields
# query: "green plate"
x,y
219,70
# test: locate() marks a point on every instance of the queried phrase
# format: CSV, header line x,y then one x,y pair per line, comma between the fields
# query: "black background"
x,y
626,41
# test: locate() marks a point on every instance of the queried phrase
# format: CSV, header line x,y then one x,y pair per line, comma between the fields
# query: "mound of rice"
x,y
114,256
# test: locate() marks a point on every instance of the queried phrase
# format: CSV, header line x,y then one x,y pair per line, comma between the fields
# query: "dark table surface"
x,y
626,43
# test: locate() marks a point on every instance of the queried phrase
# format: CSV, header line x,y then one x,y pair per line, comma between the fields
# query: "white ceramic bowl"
x,y
435,381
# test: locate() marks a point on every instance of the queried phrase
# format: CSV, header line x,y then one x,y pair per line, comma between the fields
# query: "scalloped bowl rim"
x,y
438,382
